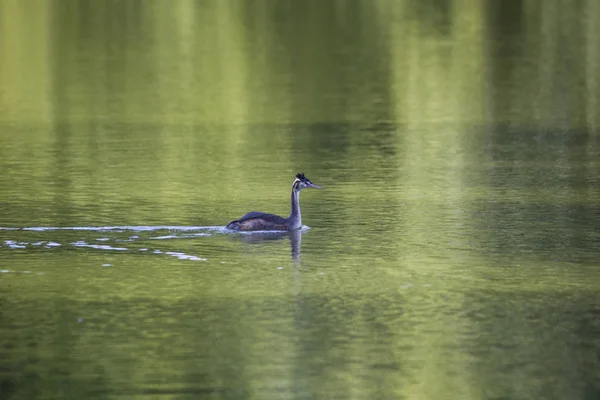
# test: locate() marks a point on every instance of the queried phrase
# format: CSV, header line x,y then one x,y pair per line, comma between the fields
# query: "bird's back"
x,y
256,220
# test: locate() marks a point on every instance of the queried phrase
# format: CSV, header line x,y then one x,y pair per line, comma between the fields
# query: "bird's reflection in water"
x,y
295,238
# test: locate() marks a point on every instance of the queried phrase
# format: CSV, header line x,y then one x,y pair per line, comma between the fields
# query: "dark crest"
x,y
301,176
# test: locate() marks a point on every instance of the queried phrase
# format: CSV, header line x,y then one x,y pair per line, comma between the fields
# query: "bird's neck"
x,y
295,217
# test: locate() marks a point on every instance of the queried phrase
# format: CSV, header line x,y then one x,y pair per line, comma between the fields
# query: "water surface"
x,y
453,252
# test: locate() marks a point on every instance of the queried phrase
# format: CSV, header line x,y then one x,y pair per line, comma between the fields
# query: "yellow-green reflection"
x,y
453,249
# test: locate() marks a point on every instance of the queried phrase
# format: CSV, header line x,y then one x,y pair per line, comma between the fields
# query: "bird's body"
x,y
260,221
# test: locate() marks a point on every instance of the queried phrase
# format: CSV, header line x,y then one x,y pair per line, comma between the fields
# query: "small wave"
x,y
117,228
180,236
81,243
143,228
183,256
13,244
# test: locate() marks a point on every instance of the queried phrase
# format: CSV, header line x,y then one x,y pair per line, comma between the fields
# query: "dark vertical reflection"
x,y
539,64
436,16
330,59
505,30
506,20
93,44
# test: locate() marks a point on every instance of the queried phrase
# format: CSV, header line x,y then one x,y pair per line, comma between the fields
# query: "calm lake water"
x,y
452,254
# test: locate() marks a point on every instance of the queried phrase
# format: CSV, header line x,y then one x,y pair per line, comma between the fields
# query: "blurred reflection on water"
x,y
452,254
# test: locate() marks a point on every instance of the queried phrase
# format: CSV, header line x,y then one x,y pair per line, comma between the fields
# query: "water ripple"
x,y
89,242
117,228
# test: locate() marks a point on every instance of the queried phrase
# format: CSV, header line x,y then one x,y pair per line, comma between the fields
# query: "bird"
x,y
260,221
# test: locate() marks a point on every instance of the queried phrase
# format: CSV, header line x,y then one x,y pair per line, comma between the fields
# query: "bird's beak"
x,y
312,185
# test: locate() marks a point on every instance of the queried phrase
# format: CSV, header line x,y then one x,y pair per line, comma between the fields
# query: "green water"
x,y
452,254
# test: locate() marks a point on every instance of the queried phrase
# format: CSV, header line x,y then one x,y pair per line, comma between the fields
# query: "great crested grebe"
x,y
260,221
